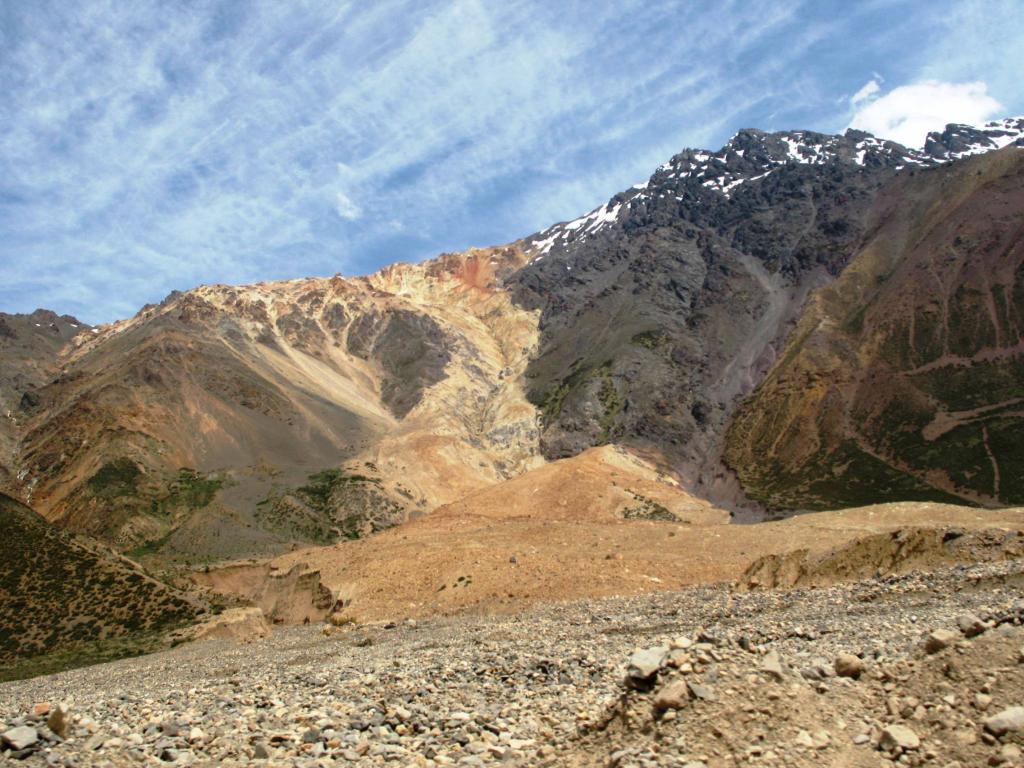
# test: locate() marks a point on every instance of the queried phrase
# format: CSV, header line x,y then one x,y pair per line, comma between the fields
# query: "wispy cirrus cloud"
x,y
151,146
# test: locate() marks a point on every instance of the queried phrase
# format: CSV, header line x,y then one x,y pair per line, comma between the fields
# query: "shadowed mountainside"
x,y
30,347
663,309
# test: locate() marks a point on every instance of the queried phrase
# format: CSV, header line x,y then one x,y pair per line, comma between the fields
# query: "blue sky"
x,y
152,146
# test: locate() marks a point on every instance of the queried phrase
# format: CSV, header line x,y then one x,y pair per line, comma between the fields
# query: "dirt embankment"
x,y
292,596
879,554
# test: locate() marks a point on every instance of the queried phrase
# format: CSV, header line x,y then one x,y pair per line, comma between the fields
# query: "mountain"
x,y
29,348
234,420
664,308
88,595
681,320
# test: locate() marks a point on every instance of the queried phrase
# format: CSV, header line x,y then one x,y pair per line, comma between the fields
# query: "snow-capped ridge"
x,y
959,141
751,155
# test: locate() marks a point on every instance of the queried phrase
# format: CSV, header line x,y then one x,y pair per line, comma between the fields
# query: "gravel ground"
x,y
754,676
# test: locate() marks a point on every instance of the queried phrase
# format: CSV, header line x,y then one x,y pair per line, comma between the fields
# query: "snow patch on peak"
x,y
578,229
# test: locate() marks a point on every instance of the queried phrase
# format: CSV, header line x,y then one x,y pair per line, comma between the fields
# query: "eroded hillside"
x,y
905,377
230,420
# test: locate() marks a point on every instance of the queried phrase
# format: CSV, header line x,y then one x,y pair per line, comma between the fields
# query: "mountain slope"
x,y
228,421
30,346
58,592
662,309
905,377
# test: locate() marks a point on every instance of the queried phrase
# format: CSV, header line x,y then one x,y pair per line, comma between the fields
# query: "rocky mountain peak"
x,y
751,155
959,141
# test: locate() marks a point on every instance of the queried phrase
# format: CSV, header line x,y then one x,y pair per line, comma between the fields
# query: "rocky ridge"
x,y
285,412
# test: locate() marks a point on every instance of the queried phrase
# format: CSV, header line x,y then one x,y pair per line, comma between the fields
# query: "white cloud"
x,y
867,91
906,114
346,208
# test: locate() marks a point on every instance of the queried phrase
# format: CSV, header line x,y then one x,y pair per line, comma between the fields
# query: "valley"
x,y
778,381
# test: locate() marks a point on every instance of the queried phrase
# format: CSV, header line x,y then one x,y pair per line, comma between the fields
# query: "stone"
x,y
772,666
971,625
894,736
1009,720
675,695
848,665
241,625
703,692
677,658
260,752
21,737
940,640
42,709
816,740
642,670
58,721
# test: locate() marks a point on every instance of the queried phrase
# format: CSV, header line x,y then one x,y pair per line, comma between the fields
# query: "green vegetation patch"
x,y
119,477
612,403
984,382
85,653
95,605
323,484
611,400
648,509
654,339
844,477
552,402
333,504
189,490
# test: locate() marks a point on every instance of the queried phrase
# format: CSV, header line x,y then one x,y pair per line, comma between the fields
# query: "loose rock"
x,y
21,737
848,665
1010,719
898,736
675,695
939,640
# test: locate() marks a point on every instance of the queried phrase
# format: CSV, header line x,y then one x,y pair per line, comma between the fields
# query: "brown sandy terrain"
x,y
559,532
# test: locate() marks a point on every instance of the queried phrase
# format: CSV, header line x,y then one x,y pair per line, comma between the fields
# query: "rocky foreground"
x,y
921,669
